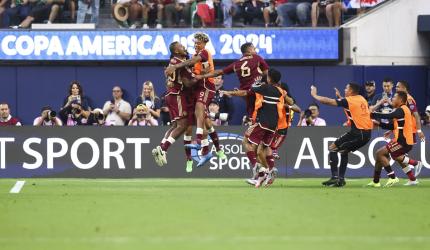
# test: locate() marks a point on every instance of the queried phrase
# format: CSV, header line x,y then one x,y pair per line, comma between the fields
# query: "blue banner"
x,y
271,44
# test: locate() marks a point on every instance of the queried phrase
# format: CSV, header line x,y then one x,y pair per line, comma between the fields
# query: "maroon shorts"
x,y
204,92
257,134
396,149
279,138
177,105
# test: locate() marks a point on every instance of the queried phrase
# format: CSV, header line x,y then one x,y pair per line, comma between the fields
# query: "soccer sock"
x,y
214,136
390,172
199,136
376,176
334,160
162,142
252,157
343,165
167,143
205,147
407,170
410,161
187,140
270,161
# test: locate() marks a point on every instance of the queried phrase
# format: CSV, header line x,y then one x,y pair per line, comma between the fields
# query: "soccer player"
x,y
204,91
249,69
176,100
397,148
358,114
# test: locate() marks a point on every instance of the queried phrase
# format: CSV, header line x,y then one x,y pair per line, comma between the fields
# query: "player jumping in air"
x,y
397,148
358,114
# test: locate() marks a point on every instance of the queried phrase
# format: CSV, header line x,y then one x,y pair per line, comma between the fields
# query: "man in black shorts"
x,y
358,114
40,11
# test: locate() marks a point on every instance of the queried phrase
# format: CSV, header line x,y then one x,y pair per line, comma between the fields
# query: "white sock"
x,y
187,138
171,140
205,142
199,131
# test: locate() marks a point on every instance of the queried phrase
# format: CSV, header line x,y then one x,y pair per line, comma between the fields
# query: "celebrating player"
x,y
357,112
176,100
397,148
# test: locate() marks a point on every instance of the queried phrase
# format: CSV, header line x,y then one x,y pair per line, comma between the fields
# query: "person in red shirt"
x,y
5,118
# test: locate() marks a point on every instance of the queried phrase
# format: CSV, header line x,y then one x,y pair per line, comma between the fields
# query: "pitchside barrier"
x,y
125,152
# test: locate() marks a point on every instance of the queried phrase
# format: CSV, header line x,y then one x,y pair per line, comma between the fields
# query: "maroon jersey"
x,y
174,81
249,69
10,122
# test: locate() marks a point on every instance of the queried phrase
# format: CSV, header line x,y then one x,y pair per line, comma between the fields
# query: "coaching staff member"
x,y
358,114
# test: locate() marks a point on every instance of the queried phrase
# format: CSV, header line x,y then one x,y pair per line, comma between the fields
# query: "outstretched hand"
x,y
337,93
169,70
314,90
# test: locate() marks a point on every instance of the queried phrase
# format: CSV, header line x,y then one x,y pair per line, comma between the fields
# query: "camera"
x,y
52,114
308,113
99,116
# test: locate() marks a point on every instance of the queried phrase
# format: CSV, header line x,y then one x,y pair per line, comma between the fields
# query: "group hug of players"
x,y
270,107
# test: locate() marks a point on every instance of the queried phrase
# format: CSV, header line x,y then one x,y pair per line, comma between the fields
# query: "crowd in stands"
x,y
150,110
146,14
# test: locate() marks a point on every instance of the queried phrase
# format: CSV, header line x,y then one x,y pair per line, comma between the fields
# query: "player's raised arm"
x,y
190,62
215,73
322,99
236,92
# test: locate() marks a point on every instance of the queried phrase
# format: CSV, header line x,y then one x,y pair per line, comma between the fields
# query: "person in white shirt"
x,y
310,117
117,111
142,117
47,118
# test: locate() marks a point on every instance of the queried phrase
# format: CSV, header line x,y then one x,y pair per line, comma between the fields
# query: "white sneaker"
x,y
271,176
411,183
145,26
162,154
261,179
418,168
159,26
156,157
251,181
133,26
255,170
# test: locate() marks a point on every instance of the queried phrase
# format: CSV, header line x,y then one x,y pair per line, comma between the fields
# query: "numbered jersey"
x,y
249,70
174,81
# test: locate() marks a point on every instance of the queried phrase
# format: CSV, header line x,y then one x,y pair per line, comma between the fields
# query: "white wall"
x,y
388,35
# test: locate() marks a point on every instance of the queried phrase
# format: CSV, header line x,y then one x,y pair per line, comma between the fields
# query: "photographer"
x,y
425,118
47,118
75,108
310,117
216,117
96,118
117,111
142,117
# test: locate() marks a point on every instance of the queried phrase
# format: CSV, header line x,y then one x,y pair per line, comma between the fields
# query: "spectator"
x,y
252,9
370,87
178,12
216,117
164,111
142,117
135,10
224,102
270,13
295,11
149,99
5,118
332,9
206,12
40,11
117,111
382,102
47,118
76,107
152,12
15,13
426,117
310,117
231,8
84,6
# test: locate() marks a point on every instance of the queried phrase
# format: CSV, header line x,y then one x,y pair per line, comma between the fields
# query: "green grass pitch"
x,y
211,214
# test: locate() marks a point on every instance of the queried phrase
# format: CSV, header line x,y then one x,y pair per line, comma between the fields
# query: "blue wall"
x,y
28,88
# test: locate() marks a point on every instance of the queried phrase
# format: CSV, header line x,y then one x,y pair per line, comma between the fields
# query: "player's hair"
x,y
245,47
404,84
201,37
403,96
388,79
172,47
314,104
275,75
354,87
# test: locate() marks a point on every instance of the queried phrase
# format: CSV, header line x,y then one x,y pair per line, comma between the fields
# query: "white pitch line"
x,y
17,187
